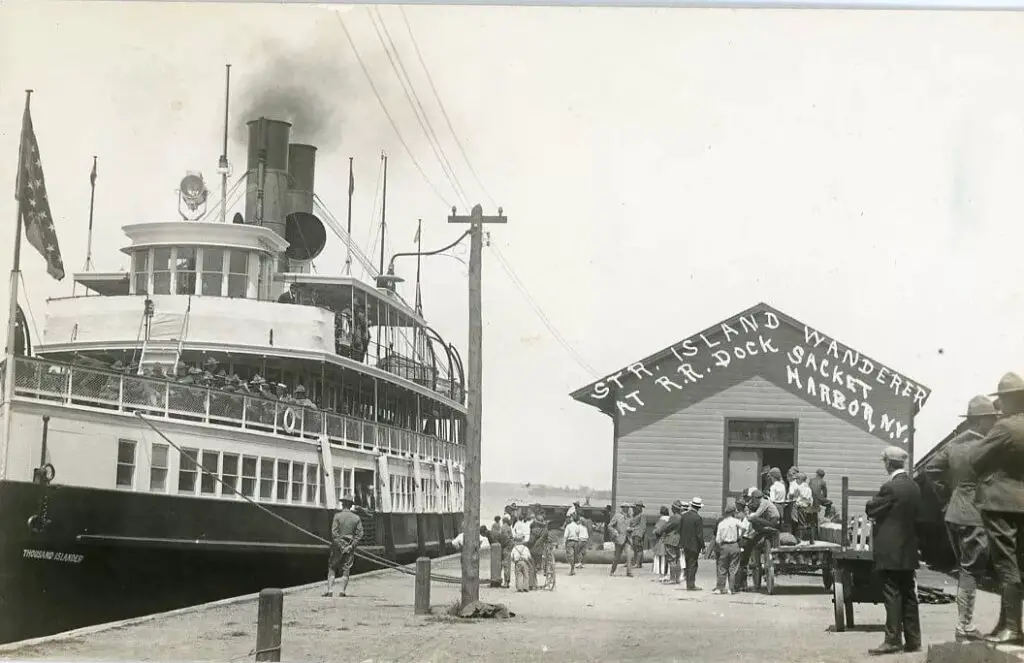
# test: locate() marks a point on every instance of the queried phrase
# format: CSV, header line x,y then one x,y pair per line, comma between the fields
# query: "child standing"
x,y
728,539
521,561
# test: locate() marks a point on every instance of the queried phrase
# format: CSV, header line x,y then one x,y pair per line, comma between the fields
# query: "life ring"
x,y
289,423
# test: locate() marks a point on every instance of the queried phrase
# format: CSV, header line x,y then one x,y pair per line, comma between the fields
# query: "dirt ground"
x,y
589,617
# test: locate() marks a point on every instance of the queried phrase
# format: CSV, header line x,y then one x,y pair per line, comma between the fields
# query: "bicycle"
x,y
549,567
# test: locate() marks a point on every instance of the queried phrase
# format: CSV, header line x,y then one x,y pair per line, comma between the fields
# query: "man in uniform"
x,y
998,462
346,532
617,531
894,511
637,530
954,480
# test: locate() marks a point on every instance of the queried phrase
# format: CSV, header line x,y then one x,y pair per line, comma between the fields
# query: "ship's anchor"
x,y
43,475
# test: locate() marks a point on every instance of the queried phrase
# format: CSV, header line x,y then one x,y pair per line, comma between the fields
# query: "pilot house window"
x,y
185,270
140,271
238,273
162,271
213,272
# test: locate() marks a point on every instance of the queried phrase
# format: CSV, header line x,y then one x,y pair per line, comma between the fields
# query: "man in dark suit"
x,y
998,461
691,540
894,512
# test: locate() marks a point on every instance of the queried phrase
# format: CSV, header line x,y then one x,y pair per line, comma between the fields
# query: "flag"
x,y
351,181
22,340
33,204
417,237
92,175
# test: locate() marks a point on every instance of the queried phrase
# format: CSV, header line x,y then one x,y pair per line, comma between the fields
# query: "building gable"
x,y
762,341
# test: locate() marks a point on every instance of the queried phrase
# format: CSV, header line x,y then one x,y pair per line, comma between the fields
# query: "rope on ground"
x,y
254,652
368,556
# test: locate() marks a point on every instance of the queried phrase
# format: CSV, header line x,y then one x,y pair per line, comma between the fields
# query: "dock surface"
x,y
588,617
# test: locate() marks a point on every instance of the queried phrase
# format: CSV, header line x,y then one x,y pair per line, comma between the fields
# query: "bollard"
x,y
422,598
495,566
268,625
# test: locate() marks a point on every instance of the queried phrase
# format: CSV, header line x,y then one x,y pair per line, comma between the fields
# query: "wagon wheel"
x,y
755,572
839,603
769,572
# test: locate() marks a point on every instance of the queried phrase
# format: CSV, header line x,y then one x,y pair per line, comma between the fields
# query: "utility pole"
x,y
471,472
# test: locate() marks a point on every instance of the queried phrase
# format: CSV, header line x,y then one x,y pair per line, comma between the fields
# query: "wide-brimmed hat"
x,y
347,497
300,389
696,503
980,406
625,505
678,504
639,504
257,379
756,494
210,361
1008,384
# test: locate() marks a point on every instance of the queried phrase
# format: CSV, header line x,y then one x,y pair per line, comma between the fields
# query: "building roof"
x,y
584,393
925,459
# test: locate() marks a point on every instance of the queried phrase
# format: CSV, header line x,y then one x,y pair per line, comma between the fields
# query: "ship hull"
x,y
108,555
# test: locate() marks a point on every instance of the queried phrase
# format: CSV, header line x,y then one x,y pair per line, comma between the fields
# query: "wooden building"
x,y
701,417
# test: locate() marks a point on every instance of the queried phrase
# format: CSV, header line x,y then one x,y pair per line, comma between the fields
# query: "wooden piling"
x,y
268,625
495,565
422,597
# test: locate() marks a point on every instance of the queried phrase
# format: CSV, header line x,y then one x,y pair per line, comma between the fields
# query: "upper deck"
x,y
215,286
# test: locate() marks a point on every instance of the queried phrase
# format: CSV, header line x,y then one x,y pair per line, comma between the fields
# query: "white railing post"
x,y
120,392
245,409
277,416
167,400
206,406
71,378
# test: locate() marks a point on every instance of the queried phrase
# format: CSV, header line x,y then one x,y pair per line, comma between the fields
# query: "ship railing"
x,y
73,385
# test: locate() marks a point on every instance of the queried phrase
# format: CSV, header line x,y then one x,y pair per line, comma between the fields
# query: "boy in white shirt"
x,y
521,561
581,550
728,539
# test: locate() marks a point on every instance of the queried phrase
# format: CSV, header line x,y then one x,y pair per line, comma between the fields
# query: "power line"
x,y
504,264
417,106
384,108
444,112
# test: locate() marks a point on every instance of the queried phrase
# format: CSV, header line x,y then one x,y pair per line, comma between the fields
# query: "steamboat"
x,y
182,432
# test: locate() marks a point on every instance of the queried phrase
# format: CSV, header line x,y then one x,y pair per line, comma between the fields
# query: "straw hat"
x,y
696,503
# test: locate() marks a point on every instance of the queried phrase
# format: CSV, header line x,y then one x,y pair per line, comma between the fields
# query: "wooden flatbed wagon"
x,y
854,570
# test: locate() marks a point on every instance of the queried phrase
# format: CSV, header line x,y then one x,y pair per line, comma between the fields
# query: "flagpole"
x,y
12,314
348,249
88,244
419,258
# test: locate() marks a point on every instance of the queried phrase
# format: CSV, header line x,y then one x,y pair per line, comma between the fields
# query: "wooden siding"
x,y
674,452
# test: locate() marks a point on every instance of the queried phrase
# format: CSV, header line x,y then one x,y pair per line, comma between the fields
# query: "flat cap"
x,y
895,454
757,494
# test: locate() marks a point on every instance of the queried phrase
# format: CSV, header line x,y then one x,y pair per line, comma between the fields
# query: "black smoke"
x,y
303,87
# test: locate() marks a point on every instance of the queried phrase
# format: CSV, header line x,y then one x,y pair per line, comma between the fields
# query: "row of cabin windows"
x,y
264,479
403,493
204,271
255,477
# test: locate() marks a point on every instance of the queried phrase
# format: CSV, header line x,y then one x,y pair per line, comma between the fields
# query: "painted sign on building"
x,y
790,354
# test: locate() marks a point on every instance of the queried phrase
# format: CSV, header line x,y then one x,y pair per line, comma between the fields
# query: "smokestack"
x,y
267,161
305,233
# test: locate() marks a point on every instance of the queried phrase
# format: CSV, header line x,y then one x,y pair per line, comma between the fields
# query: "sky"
x,y
661,170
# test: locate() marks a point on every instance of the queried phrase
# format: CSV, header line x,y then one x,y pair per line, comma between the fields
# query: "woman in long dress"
x,y
660,566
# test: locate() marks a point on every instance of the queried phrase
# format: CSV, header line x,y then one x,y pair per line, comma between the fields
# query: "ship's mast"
x,y
222,166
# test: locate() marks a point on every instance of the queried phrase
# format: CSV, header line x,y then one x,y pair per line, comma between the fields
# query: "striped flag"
x,y
33,204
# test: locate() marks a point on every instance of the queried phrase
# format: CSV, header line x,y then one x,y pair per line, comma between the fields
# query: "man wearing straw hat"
x,y
618,530
894,511
998,461
346,532
691,540
954,479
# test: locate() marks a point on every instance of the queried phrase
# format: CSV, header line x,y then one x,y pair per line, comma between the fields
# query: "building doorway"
x,y
752,444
